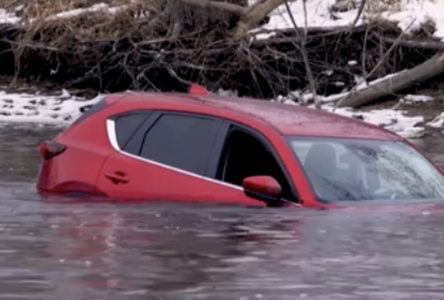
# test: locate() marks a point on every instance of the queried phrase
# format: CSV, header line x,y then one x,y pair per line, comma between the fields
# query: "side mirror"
x,y
264,188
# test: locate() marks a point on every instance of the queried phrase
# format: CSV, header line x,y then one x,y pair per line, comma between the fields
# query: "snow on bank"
x,y
99,7
417,98
394,120
60,110
8,18
408,14
63,109
318,15
438,122
413,13
391,119
11,18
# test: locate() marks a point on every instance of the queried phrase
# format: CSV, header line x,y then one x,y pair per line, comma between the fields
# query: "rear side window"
x,y
181,141
127,125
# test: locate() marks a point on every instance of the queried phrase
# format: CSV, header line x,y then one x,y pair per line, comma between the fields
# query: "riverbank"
x,y
411,116
117,45
63,54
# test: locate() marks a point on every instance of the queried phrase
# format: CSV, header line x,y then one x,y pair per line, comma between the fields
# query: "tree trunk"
x,y
255,15
430,68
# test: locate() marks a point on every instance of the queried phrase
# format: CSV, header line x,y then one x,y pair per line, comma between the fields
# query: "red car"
x,y
212,149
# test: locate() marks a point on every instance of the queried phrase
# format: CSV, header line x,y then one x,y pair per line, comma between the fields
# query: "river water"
x,y
62,249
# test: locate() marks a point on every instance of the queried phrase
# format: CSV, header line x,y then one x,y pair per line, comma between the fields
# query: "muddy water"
x,y
61,249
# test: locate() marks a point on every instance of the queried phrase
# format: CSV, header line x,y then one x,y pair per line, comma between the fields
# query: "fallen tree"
x,y
405,79
168,44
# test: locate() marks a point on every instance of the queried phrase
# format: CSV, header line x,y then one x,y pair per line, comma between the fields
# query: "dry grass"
x,y
90,26
45,8
128,42
35,9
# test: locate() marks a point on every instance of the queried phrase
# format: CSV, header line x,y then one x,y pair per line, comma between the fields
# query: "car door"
x,y
168,157
247,153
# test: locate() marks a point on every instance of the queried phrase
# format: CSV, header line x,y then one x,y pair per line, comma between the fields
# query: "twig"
x,y
364,54
303,50
359,14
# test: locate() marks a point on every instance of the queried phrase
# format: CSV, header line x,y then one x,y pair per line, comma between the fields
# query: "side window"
x,y
182,141
244,155
127,125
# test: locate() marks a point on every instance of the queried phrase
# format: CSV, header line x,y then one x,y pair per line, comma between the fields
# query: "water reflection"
x,y
65,249
106,251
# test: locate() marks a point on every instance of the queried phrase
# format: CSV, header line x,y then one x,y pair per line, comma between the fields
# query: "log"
x,y
434,45
249,17
229,7
427,70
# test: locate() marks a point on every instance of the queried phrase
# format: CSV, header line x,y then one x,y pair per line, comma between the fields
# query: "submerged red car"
x,y
213,149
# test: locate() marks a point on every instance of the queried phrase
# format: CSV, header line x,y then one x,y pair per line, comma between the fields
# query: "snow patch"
x,y
391,119
408,14
394,120
438,122
61,109
99,7
352,63
417,98
8,18
413,13
227,93
318,15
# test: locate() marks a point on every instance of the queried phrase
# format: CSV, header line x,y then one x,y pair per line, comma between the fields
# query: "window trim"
x,y
111,132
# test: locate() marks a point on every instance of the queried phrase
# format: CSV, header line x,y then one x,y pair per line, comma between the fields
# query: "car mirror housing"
x,y
264,188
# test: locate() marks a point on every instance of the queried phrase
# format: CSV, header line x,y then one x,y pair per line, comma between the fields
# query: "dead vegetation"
x,y
167,44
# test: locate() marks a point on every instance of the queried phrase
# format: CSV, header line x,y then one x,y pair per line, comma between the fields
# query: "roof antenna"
x,y
197,90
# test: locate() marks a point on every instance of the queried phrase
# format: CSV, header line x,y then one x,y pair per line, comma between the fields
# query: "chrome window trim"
x,y
112,138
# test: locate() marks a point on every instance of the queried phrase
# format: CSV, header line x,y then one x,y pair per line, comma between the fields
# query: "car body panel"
x,y
287,119
77,168
149,180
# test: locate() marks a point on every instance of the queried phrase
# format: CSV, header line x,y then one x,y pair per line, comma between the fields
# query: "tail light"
x,y
50,149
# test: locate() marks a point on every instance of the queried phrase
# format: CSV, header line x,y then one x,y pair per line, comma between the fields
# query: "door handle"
x,y
117,177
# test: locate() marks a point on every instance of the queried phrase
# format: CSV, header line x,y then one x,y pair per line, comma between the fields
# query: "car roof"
x,y
291,120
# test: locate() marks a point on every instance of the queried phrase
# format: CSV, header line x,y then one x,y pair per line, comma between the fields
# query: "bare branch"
x,y
303,50
360,11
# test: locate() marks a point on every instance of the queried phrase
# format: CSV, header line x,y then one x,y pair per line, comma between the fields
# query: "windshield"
x,y
351,170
